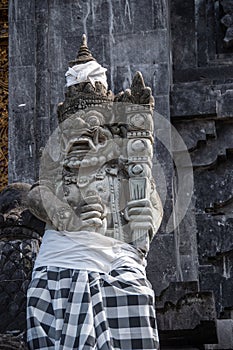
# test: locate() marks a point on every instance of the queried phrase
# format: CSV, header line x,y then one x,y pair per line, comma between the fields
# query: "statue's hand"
x,y
139,213
90,216
92,212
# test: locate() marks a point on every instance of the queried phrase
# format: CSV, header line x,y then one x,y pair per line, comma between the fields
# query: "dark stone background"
x,y
179,47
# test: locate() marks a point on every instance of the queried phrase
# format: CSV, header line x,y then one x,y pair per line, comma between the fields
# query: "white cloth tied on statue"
x,y
86,72
86,250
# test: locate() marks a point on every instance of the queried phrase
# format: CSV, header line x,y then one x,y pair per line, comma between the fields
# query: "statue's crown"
x,y
89,92
90,89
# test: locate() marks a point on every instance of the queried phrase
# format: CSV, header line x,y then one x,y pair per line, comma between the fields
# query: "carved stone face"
x,y
88,147
84,139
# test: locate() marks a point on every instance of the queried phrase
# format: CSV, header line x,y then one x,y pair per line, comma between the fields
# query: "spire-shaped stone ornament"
x,y
86,83
84,55
101,178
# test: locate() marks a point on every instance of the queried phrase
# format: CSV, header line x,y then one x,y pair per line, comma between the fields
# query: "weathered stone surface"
x,y
104,16
159,274
224,104
21,108
218,74
20,234
175,304
209,143
183,29
225,336
22,51
225,333
200,104
214,235
227,21
216,275
187,243
194,133
12,341
19,13
218,194
183,97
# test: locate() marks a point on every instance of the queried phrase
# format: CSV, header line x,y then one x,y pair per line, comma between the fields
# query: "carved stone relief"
x,y
99,174
20,236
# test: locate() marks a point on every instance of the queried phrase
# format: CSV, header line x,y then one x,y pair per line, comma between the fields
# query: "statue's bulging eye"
x,y
93,121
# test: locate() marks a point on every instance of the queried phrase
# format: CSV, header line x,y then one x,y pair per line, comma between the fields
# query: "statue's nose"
x,y
79,123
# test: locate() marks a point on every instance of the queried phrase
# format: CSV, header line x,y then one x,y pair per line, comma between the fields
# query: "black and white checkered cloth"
x,y
76,309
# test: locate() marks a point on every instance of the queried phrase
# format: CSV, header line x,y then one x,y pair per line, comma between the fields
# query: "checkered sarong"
x,y
82,310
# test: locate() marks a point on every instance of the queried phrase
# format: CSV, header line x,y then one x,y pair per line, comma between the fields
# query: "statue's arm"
x,y
46,206
59,214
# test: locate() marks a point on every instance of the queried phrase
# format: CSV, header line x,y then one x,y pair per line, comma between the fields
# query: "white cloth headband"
x,y
86,72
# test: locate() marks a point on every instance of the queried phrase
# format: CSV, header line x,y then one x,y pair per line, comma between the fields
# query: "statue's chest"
x,y
109,185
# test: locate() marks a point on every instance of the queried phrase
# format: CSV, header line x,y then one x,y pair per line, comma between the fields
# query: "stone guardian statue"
x,y
98,199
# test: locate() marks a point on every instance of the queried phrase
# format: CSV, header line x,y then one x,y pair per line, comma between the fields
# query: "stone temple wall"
x,y
202,111
184,51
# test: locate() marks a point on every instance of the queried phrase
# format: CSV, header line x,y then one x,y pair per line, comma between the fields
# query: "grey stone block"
x,y
161,272
22,146
183,97
213,189
162,105
22,49
193,132
218,74
22,93
22,157
224,104
214,235
211,278
152,47
160,85
19,10
227,285
225,336
183,312
183,30
109,17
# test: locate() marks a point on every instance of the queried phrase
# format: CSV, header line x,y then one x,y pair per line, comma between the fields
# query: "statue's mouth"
x,y
80,147
85,150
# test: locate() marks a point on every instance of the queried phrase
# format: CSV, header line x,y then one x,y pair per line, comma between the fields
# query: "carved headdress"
x,y
86,85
